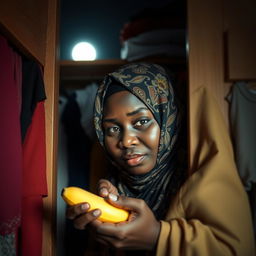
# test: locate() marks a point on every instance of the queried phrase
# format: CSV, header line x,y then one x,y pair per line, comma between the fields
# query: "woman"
x,y
173,211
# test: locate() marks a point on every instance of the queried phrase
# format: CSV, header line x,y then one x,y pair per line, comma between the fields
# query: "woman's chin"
x,y
138,170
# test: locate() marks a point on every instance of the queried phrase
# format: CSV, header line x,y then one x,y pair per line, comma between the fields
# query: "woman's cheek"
x,y
110,144
154,136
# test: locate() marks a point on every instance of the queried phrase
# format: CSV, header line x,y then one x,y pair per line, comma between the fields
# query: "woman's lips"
x,y
134,160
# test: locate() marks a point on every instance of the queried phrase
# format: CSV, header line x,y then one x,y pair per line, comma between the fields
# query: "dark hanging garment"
x,y
78,152
78,144
32,92
11,147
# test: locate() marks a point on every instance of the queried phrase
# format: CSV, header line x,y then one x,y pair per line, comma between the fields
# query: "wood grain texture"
x,y
205,56
25,22
51,78
240,28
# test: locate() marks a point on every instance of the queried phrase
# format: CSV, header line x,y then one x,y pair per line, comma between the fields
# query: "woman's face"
x,y
131,133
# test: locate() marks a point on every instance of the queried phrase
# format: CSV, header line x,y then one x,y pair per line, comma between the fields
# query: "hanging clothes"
x,y
23,153
78,144
242,101
32,92
85,101
34,158
73,170
11,148
243,125
62,182
75,141
34,184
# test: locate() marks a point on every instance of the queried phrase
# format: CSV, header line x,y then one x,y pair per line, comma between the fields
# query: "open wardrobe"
x,y
47,138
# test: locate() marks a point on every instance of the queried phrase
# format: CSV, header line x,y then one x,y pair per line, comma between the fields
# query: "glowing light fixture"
x,y
83,51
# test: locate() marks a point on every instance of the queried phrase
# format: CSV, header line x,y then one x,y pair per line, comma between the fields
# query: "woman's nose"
x,y
128,139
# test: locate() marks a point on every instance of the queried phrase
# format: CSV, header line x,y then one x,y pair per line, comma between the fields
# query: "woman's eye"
x,y
112,130
141,122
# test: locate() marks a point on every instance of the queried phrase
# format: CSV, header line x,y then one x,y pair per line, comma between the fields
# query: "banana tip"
x,y
62,191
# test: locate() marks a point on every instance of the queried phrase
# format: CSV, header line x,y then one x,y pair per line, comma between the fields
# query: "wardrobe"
x,y
221,49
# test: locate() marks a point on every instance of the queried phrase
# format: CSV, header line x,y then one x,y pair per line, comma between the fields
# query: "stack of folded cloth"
x,y
155,32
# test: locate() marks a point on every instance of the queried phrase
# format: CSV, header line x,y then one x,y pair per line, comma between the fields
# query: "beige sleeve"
x,y
211,214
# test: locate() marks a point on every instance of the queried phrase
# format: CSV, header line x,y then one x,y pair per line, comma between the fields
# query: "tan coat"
x,y
210,215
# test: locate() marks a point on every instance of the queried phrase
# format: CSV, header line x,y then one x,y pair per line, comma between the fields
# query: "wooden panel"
x,y
25,24
205,56
240,27
51,78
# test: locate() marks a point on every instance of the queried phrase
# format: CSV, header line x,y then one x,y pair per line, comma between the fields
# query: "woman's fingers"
x,y
76,210
127,234
105,187
134,206
131,234
81,216
88,218
127,203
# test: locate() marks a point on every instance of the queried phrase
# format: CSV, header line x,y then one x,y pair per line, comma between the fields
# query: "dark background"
x,y
98,22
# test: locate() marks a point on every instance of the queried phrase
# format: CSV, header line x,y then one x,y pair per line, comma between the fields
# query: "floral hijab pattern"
x,y
151,84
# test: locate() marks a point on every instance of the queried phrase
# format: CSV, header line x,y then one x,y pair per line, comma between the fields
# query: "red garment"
x,y
22,168
34,155
31,226
34,184
10,139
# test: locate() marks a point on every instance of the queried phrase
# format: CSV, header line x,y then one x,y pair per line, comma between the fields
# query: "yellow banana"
x,y
109,213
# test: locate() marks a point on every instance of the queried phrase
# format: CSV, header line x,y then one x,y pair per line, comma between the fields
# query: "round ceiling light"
x,y
83,51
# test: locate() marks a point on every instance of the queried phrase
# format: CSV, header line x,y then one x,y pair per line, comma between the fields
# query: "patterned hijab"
x,y
150,83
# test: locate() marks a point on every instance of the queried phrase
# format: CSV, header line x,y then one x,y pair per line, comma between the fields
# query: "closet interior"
x,y
220,51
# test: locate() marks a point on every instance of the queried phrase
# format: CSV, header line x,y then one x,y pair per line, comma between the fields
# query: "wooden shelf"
x,y
76,74
87,70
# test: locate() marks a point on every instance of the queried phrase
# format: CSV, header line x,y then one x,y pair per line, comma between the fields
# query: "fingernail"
x,y
112,197
104,192
84,207
96,213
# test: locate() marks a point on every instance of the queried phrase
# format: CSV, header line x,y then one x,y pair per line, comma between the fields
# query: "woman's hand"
x,y
81,214
105,188
140,232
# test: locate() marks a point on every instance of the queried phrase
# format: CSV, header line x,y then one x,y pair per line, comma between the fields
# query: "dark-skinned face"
x,y
131,133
